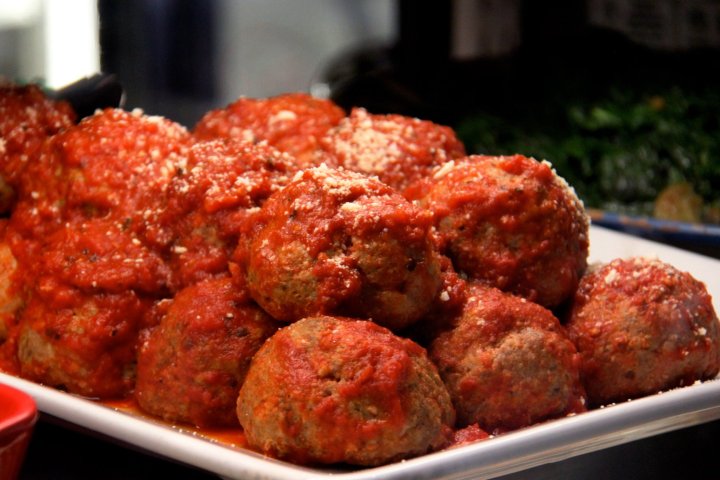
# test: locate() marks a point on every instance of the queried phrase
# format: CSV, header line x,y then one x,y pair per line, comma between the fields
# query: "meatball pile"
x,y
345,288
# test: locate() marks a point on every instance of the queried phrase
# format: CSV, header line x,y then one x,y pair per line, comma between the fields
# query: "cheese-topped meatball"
x,y
642,326
512,223
291,122
212,203
335,390
113,163
27,118
398,150
339,242
507,362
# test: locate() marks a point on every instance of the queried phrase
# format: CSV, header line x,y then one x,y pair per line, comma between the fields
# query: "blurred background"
x,y
180,57
620,95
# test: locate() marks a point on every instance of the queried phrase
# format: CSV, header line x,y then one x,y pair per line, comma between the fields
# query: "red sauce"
x,y
470,434
231,437
213,201
292,123
27,118
338,242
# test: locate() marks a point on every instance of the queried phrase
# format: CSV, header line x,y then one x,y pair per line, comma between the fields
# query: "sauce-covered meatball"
x,y
335,390
642,326
399,150
78,234
11,301
513,223
292,123
191,367
113,163
508,363
100,255
212,203
86,299
27,118
84,343
339,242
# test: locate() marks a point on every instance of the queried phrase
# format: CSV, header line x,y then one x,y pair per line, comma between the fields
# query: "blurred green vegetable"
x,y
619,151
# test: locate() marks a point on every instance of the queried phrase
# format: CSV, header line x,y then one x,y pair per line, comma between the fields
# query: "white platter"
x,y
546,443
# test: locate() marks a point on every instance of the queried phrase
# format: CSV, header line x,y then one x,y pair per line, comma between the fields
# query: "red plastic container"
x,y
18,414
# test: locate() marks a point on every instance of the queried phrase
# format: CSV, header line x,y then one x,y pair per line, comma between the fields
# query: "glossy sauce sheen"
x,y
228,437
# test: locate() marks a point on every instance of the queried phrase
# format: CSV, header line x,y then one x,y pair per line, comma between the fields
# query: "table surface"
x,y
59,452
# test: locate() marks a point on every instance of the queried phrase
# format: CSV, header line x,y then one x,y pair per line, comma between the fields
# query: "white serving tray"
x,y
549,442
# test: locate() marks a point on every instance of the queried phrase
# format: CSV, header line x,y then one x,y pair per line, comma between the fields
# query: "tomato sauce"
x,y
231,437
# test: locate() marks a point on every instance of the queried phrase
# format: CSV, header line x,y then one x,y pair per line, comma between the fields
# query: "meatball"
x,y
642,326
81,342
398,150
11,302
113,163
86,300
339,242
27,118
191,366
292,123
513,223
446,306
212,203
101,255
507,363
336,390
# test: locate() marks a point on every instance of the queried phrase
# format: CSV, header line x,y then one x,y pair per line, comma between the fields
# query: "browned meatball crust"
x,y
339,242
336,390
642,326
511,222
191,366
508,363
81,342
